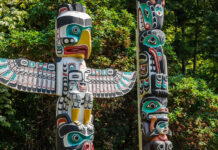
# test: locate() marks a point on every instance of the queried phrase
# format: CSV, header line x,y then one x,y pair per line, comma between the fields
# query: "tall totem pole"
x,y
152,77
70,79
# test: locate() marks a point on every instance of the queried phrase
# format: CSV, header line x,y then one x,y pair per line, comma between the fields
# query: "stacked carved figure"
x,y
152,77
70,79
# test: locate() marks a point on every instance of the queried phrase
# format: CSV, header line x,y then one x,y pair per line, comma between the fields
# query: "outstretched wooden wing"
x,y
28,76
109,82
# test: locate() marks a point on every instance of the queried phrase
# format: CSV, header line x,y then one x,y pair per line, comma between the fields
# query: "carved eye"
x,y
66,41
146,12
83,84
75,30
152,41
152,105
75,138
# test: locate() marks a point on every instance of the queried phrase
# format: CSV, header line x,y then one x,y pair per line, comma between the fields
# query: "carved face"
x,y
162,127
73,33
70,137
154,106
151,39
150,14
79,141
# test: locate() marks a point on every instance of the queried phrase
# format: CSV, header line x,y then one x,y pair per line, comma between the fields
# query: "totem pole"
x,y
70,79
152,77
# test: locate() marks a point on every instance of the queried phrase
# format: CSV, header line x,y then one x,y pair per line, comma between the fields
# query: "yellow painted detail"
x,y
87,116
85,39
75,115
81,56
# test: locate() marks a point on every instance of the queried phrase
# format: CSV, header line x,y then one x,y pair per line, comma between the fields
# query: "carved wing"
x,y
108,82
28,76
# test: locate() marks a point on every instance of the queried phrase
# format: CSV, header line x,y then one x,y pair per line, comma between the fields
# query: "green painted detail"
x,y
150,106
74,31
163,124
145,8
159,9
141,85
3,59
59,48
121,82
159,53
7,73
164,85
72,67
104,72
127,73
118,87
126,79
32,64
74,84
13,77
145,83
153,41
40,64
76,138
4,66
158,85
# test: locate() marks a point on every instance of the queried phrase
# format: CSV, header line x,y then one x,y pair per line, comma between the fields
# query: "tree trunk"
x,y
183,59
196,44
196,50
183,66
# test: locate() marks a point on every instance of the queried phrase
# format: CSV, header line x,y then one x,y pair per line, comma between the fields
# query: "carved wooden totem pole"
x,y
70,79
152,77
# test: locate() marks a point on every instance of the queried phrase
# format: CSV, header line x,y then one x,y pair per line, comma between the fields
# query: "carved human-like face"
x,y
162,127
153,106
73,34
150,14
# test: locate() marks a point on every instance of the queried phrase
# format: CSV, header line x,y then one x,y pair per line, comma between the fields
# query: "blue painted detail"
x,y
97,71
32,64
147,106
93,73
72,67
40,64
127,73
158,85
124,78
164,85
76,138
74,31
4,66
7,73
44,67
121,82
13,77
74,84
118,87
104,72
145,83
159,53
3,59
141,85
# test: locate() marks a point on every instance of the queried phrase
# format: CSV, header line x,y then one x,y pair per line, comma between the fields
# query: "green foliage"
x,y
5,107
193,116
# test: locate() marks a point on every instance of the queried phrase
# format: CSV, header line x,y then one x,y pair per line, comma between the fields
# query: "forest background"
x,y
27,121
